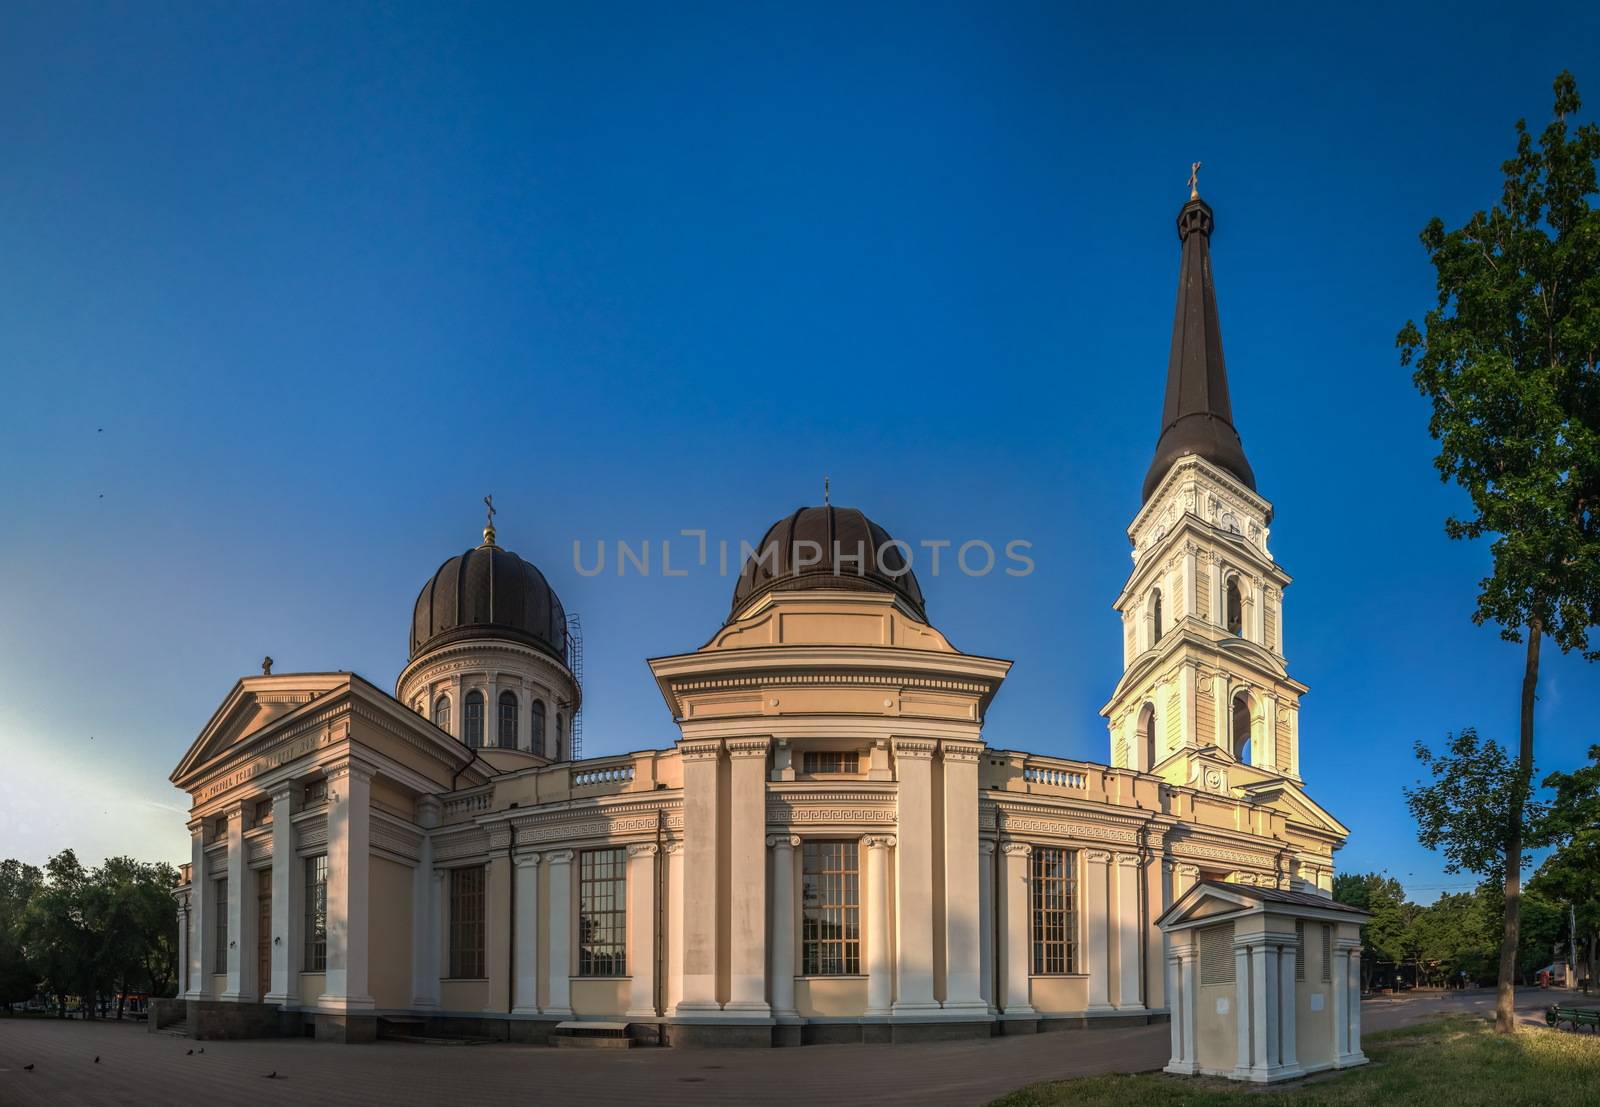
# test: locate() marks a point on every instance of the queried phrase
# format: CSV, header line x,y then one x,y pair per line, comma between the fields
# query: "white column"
x,y
285,954
1293,768
747,829
642,930
1129,930
199,911
1241,1005
241,912
879,895
1181,1003
672,940
1287,1053
1263,996
1016,952
183,945
441,923
349,861
425,970
783,916
986,911
914,877
1097,876
1191,1001
560,987
525,1000
963,946
697,936
1345,984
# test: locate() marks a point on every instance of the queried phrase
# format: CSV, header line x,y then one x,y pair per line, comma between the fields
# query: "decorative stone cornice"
x,y
952,750
921,749
748,747
701,749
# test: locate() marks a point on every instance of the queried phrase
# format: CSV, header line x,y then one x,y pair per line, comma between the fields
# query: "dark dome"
x,y
489,593
839,533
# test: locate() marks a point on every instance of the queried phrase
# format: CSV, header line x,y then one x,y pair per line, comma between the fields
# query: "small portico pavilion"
x,y
1264,983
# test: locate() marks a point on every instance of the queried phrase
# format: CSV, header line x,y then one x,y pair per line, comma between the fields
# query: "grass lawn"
x,y
1453,1061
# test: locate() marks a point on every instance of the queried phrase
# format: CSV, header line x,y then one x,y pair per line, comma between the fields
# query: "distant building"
x,y
832,850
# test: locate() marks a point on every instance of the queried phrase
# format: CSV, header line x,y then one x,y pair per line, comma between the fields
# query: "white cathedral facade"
x,y
834,849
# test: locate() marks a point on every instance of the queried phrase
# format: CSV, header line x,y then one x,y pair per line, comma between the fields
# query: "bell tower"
x,y
1205,699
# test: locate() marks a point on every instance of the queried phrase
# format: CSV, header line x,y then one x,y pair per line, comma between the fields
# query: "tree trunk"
x,y
1505,1013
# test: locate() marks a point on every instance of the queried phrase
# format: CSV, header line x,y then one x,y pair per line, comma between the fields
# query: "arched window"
x,y
441,713
1241,727
1147,737
1235,605
561,733
472,718
508,720
1155,616
538,727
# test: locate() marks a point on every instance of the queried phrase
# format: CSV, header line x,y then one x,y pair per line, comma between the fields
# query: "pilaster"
x,y
747,984
425,913
914,877
1130,926
286,954
526,925
349,837
1017,949
241,913
880,893
986,915
642,930
560,986
783,916
963,944
200,922
1097,864
697,937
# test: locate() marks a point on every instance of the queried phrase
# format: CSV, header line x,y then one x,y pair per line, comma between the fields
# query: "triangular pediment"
x,y
1212,900
253,705
1286,797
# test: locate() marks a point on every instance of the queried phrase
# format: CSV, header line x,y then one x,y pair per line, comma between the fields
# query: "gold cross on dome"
x,y
1194,181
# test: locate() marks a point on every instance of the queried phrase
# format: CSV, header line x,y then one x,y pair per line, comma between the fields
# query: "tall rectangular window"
x,y
219,958
1055,920
1299,949
316,914
1327,954
603,913
830,898
466,923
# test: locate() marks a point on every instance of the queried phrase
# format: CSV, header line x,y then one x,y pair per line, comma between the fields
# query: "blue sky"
x,y
287,289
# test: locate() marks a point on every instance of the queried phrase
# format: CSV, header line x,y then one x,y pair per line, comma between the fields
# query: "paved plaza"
x,y
137,1067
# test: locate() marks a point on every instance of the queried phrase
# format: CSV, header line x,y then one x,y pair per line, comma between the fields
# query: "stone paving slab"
x,y
138,1068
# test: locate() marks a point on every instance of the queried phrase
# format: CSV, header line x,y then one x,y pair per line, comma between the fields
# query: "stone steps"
x,y
591,1035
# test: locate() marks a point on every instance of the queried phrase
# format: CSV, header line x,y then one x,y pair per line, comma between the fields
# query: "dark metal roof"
x,y
827,547
488,592
1197,417
1279,895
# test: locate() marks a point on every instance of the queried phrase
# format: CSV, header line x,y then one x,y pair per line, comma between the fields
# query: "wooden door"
x,y
264,931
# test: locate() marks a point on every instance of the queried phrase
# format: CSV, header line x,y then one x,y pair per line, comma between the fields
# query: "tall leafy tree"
x,y
1510,359
19,883
1571,874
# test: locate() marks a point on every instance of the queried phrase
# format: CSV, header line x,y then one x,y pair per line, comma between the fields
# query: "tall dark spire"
x,y
1197,417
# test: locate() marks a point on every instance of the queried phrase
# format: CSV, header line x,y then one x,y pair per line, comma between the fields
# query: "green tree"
x,y
1571,874
19,980
1384,937
1464,812
1510,359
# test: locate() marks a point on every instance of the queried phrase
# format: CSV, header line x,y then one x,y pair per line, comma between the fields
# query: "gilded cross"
x,y
1194,181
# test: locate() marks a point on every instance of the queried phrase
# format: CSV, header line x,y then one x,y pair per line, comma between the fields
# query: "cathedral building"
x,y
834,849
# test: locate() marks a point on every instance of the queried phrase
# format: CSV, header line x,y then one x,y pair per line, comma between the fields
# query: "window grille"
x,y
508,720
472,720
831,761
1216,955
316,956
603,913
219,957
1299,949
1054,910
466,922
830,897
1327,954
